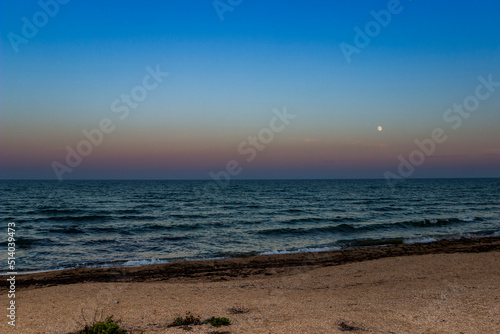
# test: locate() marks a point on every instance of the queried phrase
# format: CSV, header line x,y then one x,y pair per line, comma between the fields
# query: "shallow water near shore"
x,y
127,223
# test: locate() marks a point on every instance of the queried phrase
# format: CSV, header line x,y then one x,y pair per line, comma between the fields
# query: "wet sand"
x,y
441,287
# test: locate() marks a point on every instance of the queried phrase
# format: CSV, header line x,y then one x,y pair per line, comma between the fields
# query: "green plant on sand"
x,y
217,322
103,327
189,319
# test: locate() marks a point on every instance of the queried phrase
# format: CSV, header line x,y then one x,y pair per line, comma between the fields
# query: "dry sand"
x,y
443,287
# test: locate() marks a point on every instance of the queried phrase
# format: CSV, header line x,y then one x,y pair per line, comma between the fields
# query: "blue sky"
x,y
225,77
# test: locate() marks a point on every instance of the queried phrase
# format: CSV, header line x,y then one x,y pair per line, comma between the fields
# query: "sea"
x,y
73,224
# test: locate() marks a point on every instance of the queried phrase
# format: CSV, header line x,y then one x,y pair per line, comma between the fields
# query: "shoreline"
x,y
251,266
363,243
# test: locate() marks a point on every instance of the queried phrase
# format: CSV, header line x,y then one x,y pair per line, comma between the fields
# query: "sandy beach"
x,y
441,287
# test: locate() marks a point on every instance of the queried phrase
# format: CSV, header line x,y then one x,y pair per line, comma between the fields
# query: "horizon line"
x,y
262,179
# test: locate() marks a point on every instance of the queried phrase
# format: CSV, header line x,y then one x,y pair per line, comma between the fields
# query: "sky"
x,y
249,89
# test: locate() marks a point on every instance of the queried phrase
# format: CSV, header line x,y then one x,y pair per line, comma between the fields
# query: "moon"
x,y
379,128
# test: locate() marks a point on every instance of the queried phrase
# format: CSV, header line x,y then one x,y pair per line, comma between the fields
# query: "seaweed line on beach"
x,y
258,265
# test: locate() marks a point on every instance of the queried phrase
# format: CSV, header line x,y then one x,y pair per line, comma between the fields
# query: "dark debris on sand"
x,y
257,265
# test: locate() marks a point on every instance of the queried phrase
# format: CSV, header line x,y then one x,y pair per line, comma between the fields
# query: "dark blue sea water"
x,y
120,223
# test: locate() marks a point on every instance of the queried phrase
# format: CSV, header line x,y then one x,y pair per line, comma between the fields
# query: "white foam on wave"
x,y
469,235
302,250
136,263
419,240
33,271
468,219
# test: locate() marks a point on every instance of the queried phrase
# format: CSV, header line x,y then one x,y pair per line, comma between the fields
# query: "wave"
x,y
66,230
127,211
438,222
305,220
136,217
316,219
371,242
171,238
300,250
180,227
388,209
137,263
27,242
149,205
302,230
70,215
134,229
295,210
94,242
181,215
367,201
353,243
52,210
419,240
75,218
341,244
350,228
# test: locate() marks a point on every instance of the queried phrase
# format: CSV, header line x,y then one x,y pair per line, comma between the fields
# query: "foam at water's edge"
x,y
419,240
302,250
137,263
374,243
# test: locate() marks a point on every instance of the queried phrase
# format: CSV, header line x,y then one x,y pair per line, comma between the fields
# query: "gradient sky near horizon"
x,y
226,77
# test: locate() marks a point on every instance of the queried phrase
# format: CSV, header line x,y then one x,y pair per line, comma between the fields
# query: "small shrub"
x,y
189,319
217,322
103,327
